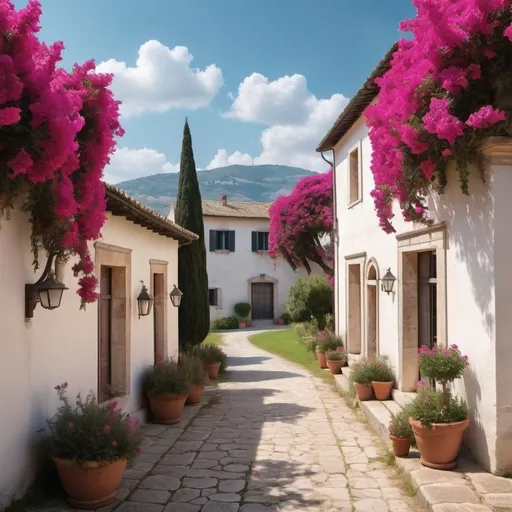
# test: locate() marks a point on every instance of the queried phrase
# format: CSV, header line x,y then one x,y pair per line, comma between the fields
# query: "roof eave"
x,y
357,105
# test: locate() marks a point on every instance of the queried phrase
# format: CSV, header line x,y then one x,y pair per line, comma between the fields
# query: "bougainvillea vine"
x,y
448,88
301,224
57,130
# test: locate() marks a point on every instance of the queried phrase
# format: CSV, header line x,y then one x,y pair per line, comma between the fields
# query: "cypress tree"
x,y
194,311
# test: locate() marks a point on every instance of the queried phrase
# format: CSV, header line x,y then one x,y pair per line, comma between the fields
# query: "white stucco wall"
x,y
230,272
62,345
472,270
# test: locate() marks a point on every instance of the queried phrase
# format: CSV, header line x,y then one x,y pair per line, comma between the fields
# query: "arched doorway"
x,y
372,310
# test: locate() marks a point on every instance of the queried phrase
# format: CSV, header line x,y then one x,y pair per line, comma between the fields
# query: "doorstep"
x,y
468,488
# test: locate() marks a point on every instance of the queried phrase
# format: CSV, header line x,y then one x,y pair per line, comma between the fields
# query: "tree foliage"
x,y
194,312
301,221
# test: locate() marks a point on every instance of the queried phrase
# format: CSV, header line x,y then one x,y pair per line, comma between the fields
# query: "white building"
x,y
239,267
453,279
104,348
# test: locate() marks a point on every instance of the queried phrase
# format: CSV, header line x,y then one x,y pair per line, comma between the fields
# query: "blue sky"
x,y
326,48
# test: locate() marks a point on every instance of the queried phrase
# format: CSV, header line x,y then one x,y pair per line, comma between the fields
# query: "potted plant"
x,y
90,445
382,379
327,341
335,360
167,385
361,377
198,379
284,319
437,418
242,310
213,358
400,433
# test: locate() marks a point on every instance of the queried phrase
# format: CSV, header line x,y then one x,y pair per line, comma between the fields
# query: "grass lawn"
x,y
214,338
285,343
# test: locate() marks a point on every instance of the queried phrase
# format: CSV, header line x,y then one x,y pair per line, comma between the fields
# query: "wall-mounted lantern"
x,y
144,301
175,296
388,282
46,291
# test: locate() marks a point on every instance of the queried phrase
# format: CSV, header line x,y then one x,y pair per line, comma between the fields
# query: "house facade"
x,y
453,280
239,266
104,348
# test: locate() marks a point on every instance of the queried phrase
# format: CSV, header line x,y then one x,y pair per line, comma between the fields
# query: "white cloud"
x,y
162,79
285,100
297,120
127,164
222,159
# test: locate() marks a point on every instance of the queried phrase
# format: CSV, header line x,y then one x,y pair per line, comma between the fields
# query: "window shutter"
x,y
254,241
213,240
231,241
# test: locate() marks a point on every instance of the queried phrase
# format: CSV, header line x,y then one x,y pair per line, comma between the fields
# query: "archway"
x,y
372,310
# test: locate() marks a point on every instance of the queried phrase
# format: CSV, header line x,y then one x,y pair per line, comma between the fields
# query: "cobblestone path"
x,y
273,438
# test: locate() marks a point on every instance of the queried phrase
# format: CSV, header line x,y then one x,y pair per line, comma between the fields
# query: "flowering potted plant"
x,y
327,342
361,377
382,378
90,445
242,310
438,419
400,433
214,358
336,359
167,385
198,379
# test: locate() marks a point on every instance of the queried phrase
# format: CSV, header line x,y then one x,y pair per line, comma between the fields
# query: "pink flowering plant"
x,y
447,89
58,130
88,431
299,223
444,365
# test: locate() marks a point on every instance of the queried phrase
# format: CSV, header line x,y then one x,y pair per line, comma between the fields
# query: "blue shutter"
x,y
254,241
213,240
231,241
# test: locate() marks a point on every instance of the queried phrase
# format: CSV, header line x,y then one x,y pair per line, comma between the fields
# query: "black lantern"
x,y
175,296
47,290
144,301
388,281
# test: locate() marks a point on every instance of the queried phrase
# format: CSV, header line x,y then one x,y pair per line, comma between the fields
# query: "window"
x,y
214,297
354,177
259,241
222,241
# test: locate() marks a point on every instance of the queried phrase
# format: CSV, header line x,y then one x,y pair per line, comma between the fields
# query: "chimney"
x,y
224,200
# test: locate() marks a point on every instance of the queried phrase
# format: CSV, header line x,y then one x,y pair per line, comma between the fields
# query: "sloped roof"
x,y
357,105
121,204
236,209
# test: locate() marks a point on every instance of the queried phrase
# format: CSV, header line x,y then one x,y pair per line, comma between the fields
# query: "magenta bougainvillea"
x,y
301,224
57,130
447,89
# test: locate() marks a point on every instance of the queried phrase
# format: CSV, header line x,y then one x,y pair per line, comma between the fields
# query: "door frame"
x,y
262,278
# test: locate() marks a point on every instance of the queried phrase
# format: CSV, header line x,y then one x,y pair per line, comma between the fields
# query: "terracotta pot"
x,y
212,370
439,446
242,325
401,445
280,321
322,359
382,390
364,391
167,409
92,486
335,366
195,395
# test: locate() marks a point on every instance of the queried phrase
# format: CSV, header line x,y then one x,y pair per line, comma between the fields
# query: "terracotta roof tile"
x,y
120,203
236,209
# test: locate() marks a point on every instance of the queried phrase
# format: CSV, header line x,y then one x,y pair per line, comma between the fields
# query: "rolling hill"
x,y
260,183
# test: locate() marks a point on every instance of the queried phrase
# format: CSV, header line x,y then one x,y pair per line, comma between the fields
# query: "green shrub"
x,y
242,309
209,354
166,377
399,425
195,369
223,324
310,298
381,372
87,431
431,406
329,344
362,372
311,344
306,329
336,355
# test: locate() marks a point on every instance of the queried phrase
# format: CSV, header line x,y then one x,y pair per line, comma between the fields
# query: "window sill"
x,y
262,251
354,203
222,252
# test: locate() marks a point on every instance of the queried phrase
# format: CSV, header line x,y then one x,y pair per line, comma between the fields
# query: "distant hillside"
x,y
260,183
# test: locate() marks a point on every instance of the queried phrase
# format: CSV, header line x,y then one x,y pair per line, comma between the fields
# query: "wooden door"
x,y
105,334
159,315
262,301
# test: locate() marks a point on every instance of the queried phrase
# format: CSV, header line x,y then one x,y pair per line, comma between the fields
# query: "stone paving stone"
x,y
162,482
150,496
213,506
139,507
231,485
460,507
181,507
199,483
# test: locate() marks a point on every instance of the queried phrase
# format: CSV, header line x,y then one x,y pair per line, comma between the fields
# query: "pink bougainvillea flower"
x,y
447,152
453,79
9,115
438,120
475,71
21,163
486,117
71,424
107,429
508,32
428,167
114,443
